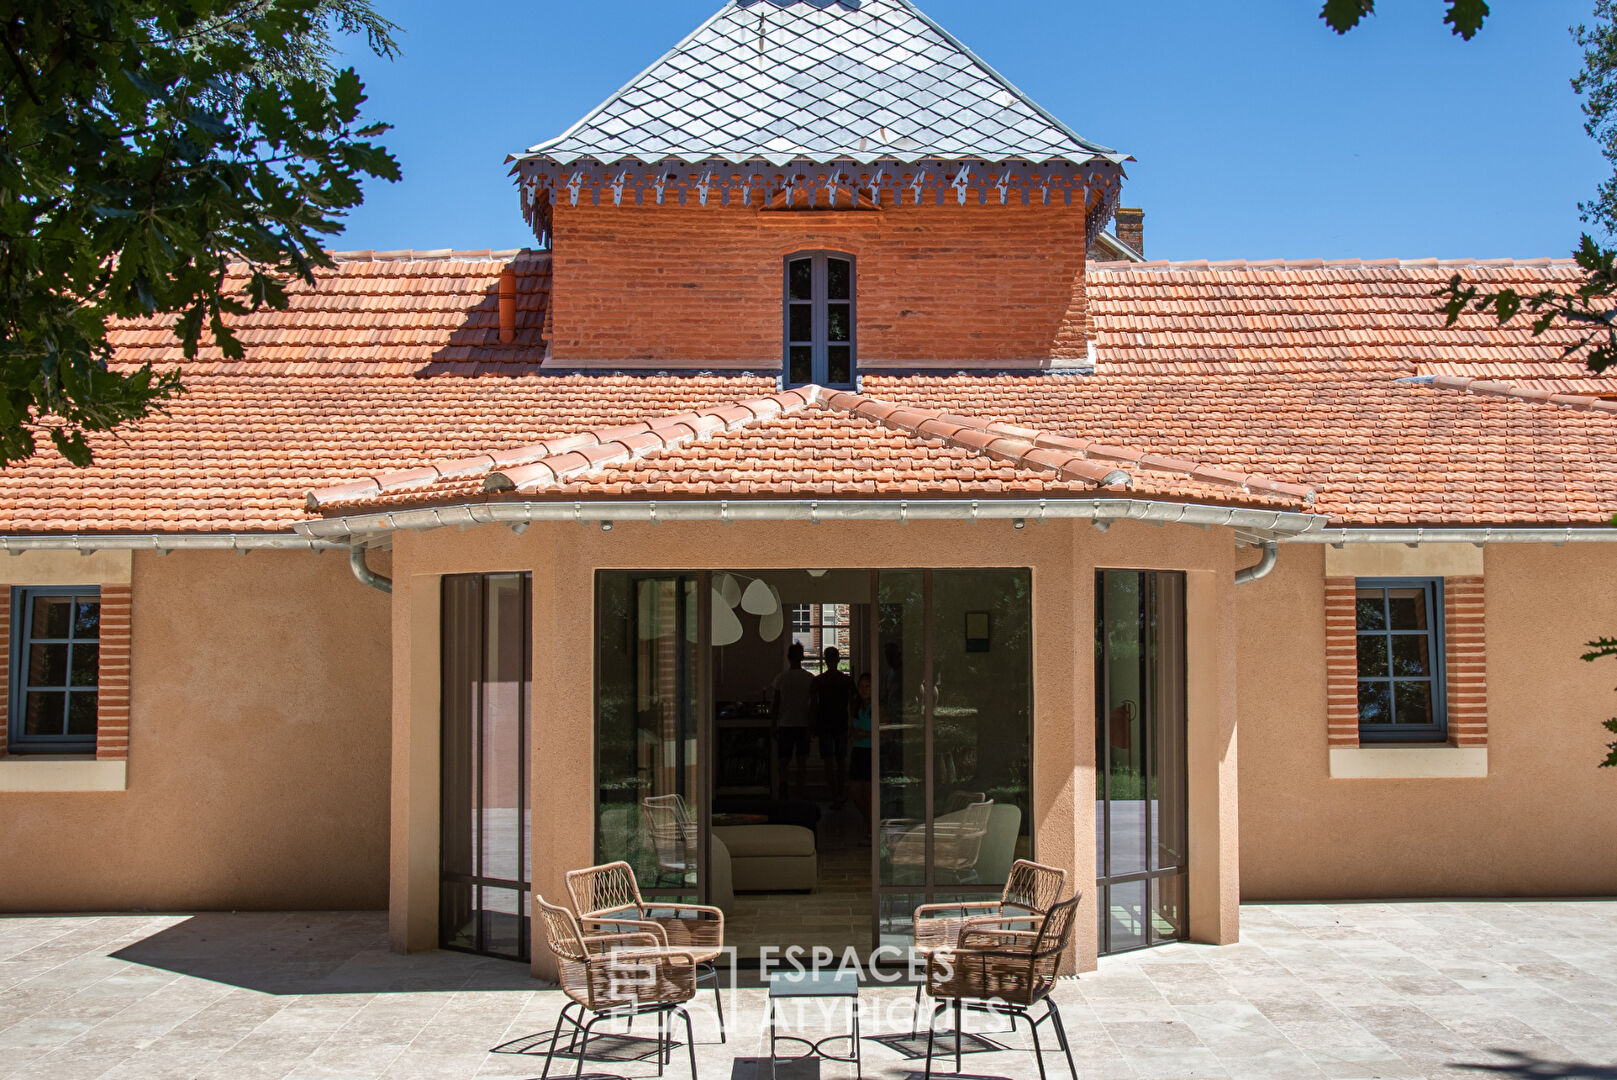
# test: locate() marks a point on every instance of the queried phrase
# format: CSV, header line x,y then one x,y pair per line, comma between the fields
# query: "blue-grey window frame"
x,y
820,364
1437,731
18,741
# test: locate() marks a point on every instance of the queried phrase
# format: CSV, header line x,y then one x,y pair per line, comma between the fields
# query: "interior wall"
x,y
1539,824
258,757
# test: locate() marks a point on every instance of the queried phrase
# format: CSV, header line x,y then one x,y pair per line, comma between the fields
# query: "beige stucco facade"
x,y
284,746
1061,555
1538,822
257,773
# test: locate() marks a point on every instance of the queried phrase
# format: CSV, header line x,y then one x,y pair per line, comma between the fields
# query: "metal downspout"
x,y
1261,568
367,576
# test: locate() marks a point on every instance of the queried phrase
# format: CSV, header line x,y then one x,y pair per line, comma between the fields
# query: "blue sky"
x,y
1259,133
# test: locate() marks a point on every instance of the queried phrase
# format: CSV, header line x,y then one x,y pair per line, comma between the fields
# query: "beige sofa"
x,y
765,858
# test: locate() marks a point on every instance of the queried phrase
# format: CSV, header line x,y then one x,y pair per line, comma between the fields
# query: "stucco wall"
x,y
1540,823
1062,556
258,762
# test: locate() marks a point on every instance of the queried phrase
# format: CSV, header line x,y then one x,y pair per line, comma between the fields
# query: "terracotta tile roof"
x,y
1309,317
1289,372
238,452
810,441
376,313
1378,451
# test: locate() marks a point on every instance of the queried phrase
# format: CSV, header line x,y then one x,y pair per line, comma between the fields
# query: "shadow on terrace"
x,y
322,953
1531,1067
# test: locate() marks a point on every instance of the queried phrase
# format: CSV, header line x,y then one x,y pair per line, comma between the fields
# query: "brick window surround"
x,y
112,713
1464,653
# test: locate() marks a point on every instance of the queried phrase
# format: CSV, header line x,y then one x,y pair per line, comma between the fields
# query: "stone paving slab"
x,y
1352,991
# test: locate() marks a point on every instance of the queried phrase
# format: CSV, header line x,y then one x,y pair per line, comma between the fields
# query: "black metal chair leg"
x,y
858,1055
915,1028
1038,1048
662,1041
1061,1034
690,1040
957,1036
555,1036
583,1051
931,1029
718,1003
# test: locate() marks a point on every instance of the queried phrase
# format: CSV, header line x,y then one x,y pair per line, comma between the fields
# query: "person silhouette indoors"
x,y
790,709
832,694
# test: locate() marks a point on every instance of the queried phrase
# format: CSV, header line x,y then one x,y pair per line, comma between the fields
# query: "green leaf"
x,y
1344,15
1466,16
147,145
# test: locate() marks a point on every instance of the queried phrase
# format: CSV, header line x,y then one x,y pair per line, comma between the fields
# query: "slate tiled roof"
x,y
811,441
365,386
819,81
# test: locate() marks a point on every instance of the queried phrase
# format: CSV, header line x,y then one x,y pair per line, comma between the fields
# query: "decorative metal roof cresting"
x,y
840,96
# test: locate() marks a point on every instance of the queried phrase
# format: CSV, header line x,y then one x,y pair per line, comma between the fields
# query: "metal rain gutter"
x,y
165,542
367,576
1252,526
1261,568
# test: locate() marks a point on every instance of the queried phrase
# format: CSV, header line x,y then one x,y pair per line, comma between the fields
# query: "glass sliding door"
x,y
648,749
484,868
954,716
1140,764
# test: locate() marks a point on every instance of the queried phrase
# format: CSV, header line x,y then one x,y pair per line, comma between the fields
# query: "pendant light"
x,y
760,598
727,589
770,625
727,628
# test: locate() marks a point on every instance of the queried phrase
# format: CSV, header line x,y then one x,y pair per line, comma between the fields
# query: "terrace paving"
x,y
1340,991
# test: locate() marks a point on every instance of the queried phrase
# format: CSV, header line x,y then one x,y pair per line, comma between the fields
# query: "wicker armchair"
x,y
957,841
614,976
607,899
673,836
1030,891
996,968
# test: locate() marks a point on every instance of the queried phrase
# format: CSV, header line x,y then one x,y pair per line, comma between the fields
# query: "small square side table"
x,y
802,986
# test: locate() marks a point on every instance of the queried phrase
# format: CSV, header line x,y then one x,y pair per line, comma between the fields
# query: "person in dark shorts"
x,y
859,754
833,703
790,709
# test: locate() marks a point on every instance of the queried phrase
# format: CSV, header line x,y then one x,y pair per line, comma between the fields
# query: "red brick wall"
x,y
112,720
1341,663
1464,656
690,286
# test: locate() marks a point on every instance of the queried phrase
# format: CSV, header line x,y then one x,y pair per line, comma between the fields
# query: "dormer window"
x,y
820,319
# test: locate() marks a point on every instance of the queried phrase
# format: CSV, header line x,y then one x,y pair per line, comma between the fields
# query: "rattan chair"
x,y
1030,891
673,836
998,969
607,900
612,976
957,841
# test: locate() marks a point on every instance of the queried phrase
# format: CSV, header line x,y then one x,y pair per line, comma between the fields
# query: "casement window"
x,y
1400,653
55,669
819,319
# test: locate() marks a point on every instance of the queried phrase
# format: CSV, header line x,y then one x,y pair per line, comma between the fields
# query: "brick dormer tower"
x,y
819,188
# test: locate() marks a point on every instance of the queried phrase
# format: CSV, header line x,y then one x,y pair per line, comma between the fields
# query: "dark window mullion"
x,y
821,361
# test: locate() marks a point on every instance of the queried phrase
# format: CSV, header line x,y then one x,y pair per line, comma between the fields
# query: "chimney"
x,y
508,305
1130,227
